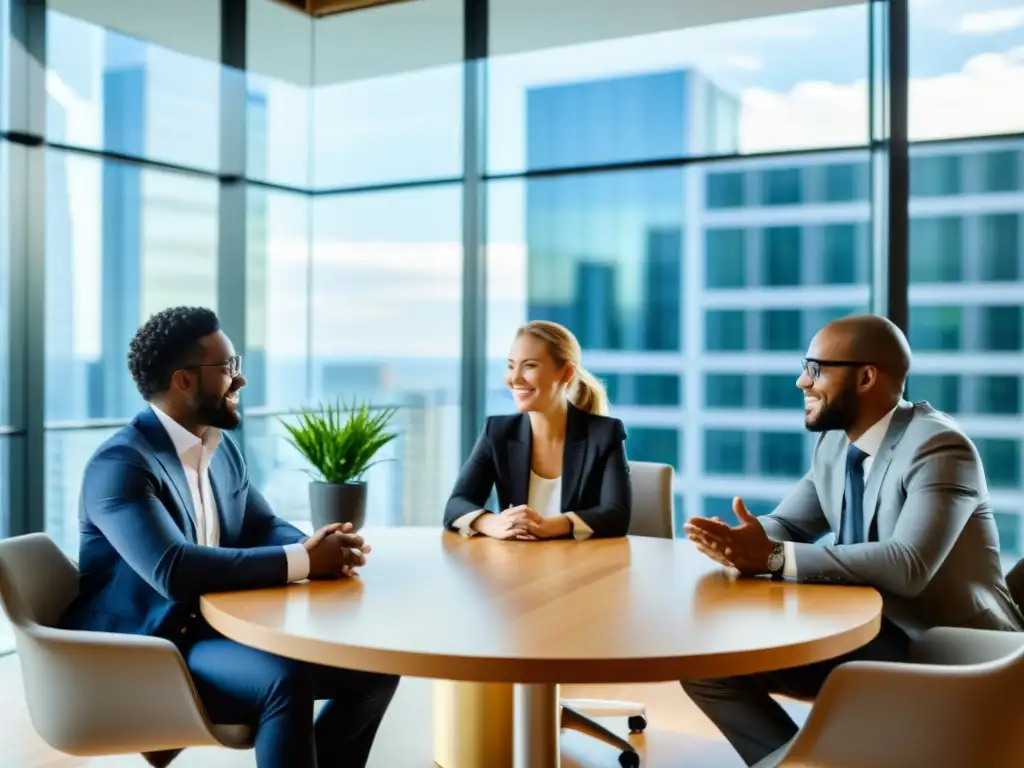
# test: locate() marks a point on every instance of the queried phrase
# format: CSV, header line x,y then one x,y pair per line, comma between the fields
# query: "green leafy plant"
x,y
340,442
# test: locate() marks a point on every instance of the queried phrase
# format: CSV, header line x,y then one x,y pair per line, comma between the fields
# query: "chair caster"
x,y
629,760
637,723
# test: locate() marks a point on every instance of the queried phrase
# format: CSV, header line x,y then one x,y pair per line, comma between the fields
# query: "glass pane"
x,y
725,452
964,60
279,98
277,296
936,253
725,390
967,243
779,392
387,101
598,253
7,446
670,88
782,454
943,392
386,319
782,259
67,453
726,258
5,279
122,241
1002,247
641,389
107,91
5,14
998,394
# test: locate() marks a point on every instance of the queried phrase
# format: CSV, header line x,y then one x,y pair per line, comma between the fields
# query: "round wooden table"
x,y
436,605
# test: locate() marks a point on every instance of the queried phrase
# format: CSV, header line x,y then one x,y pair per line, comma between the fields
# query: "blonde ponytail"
x,y
586,392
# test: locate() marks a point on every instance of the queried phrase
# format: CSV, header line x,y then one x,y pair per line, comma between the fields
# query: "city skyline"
x,y
966,60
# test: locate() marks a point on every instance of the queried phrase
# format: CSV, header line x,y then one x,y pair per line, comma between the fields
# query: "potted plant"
x,y
340,445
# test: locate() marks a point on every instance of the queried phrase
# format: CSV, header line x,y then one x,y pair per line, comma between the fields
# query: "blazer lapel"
x,y
230,524
837,468
519,448
873,482
574,455
167,457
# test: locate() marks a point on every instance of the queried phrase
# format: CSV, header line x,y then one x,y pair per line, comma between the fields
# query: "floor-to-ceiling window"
x,y
733,223
688,191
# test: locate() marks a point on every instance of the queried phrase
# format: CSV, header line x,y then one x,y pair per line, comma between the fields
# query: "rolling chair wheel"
x,y
629,760
637,723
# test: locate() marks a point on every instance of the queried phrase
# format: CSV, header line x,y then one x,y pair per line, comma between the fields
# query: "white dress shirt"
x,y
870,442
195,454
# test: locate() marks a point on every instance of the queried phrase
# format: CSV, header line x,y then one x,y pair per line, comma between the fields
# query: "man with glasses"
x,y
895,498
167,514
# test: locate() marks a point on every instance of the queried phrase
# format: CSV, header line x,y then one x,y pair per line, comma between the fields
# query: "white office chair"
x,y
654,516
149,704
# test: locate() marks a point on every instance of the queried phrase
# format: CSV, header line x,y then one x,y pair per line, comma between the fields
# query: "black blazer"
x,y
595,473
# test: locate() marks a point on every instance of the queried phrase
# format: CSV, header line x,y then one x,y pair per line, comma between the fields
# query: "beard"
x,y
213,411
841,412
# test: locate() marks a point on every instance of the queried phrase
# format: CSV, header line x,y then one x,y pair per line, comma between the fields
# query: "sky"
x,y
800,78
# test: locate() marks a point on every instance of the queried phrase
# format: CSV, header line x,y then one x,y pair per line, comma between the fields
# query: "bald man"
x,y
895,498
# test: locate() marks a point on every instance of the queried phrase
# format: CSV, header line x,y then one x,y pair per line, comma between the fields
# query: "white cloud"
x,y
990,22
979,99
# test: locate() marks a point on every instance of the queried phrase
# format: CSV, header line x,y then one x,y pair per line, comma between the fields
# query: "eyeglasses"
x,y
812,366
233,365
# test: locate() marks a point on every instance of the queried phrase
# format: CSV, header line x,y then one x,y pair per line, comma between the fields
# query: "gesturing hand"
x,y
335,551
745,547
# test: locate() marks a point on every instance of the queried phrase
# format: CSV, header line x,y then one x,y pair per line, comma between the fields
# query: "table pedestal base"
x,y
473,724
537,724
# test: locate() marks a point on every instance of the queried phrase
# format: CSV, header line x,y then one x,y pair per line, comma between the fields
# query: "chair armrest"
x,y
94,693
894,715
953,645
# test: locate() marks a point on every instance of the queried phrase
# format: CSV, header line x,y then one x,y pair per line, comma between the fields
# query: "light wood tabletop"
x,y
433,604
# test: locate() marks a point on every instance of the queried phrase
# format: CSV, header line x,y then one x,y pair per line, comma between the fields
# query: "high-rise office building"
x,y
695,290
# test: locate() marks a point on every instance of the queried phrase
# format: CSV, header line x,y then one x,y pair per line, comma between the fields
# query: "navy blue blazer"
x,y
595,472
141,569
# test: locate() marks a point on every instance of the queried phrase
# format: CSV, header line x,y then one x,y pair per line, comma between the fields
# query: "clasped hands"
x,y
335,551
745,547
522,524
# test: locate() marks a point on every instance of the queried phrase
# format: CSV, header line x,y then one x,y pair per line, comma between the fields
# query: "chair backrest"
x,y
1015,582
37,582
653,502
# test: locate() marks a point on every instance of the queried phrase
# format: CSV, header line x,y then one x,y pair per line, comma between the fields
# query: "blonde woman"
x,y
559,464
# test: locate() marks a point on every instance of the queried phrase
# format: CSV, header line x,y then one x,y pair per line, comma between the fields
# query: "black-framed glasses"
x,y
812,366
233,365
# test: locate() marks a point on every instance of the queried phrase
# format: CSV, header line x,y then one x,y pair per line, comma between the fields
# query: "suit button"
x,y
184,630
192,615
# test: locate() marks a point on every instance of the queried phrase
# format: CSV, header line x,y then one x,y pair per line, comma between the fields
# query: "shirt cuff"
x,y
464,523
298,561
789,560
580,530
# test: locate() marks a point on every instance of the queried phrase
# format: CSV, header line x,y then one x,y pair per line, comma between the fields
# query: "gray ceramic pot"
x,y
344,503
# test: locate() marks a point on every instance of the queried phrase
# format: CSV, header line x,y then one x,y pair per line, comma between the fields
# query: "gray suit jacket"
x,y
932,549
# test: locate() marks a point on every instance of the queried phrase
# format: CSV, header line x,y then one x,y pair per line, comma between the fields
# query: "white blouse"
x,y
545,496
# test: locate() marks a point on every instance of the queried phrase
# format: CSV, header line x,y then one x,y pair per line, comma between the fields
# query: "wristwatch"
x,y
777,560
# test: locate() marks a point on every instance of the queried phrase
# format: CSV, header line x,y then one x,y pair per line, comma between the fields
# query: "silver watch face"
x,y
775,561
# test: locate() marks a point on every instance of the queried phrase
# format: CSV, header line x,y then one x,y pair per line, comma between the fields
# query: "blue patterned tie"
x,y
853,497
